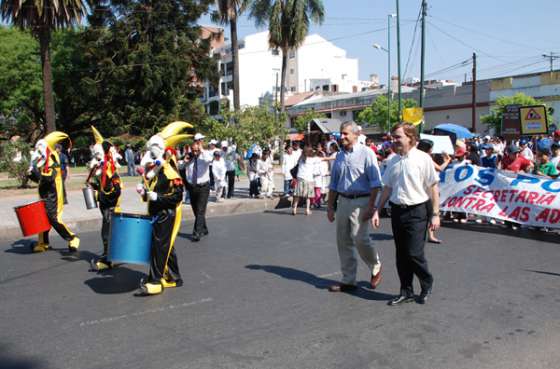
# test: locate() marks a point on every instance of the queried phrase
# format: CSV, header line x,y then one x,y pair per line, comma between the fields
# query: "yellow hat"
x,y
55,137
176,139
97,136
173,129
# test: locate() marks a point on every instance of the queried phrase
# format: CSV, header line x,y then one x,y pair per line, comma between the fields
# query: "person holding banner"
x,y
411,186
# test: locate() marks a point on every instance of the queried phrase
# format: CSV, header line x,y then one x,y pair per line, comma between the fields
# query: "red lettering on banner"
x,y
522,197
513,193
546,200
478,204
469,201
503,197
496,197
543,216
555,216
532,197
469,190
486,209
489,193
524,216
503,212
459,202
477,191
515,213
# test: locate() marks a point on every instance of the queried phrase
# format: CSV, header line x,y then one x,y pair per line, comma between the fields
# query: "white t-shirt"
x,y
219,171
289,161
411,177
308,168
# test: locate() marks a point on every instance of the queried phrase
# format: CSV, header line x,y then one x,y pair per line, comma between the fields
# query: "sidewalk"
x,y
79,219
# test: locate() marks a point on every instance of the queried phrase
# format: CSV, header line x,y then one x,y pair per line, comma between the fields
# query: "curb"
x,y
227,208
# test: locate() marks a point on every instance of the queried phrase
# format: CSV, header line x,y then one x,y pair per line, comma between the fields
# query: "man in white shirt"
x,y
526,151
212,148
289,161
231,157
219,170
197,172
411,186
361,137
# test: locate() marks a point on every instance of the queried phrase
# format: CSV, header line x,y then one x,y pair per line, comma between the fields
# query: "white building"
x,y
318,65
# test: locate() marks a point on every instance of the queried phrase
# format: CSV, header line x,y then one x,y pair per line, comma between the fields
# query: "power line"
x,y
464,43
412,43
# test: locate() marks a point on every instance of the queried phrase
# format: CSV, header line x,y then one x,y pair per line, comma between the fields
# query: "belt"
x,y
404,206
200,184
353,196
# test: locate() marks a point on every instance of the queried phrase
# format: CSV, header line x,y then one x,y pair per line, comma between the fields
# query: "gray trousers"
x,y
352,234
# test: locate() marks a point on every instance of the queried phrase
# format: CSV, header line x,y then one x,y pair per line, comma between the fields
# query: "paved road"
x,y
255,297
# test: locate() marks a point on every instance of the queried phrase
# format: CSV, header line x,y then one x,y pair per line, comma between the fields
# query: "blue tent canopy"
x,y
459,131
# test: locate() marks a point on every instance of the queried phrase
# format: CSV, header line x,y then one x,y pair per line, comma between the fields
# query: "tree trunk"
x,y
283,79
44,41
235,61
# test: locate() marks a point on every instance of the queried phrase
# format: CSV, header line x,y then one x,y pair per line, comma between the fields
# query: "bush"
x,y
14,159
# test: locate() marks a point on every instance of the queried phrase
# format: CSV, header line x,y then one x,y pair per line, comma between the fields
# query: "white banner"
x,y
516,197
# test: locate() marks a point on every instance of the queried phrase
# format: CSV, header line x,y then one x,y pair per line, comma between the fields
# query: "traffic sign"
x,y
533,120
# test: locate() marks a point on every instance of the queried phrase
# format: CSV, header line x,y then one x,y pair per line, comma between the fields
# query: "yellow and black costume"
x,y
45,170
105,180
163,189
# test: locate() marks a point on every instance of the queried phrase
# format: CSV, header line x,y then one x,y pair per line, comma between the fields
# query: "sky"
x,y
509,36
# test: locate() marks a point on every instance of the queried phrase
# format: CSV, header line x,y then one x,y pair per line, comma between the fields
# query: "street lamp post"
x,y
388,51
399,57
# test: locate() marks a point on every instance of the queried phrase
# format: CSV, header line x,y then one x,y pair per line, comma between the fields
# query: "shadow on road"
x,y
543,272
551,237
21,247
321,283
13,361
116,280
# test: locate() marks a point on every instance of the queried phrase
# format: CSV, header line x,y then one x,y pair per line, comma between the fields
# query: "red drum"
x,y
33,218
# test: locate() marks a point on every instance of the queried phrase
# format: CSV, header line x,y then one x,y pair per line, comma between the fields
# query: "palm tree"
x,y
227,12
42,17
288,24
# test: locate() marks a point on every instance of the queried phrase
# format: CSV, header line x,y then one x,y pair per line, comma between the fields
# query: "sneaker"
x,y
41,247
74,244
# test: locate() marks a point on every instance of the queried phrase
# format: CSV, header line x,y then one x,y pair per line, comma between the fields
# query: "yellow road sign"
x,y
533,120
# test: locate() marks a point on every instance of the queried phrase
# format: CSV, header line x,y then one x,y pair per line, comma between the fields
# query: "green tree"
x,y
288,24
20,84
494,119
302,120
42,17
376,113
15,158
144,60
227,12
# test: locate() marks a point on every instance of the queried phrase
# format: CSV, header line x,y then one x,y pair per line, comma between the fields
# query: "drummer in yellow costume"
x,y
163,189
45,169
105,179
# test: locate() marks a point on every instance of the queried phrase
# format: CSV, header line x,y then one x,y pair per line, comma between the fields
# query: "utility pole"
x,y
389,93
552,57
422,57
474,93
399,59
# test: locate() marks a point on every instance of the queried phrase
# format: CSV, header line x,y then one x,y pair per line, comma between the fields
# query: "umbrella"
x,y
459,131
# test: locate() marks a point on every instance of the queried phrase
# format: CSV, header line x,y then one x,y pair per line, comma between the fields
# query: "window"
x,y
275,52
334,88
291,54
212,91
292,89
292,70
214,108
342,113
325,87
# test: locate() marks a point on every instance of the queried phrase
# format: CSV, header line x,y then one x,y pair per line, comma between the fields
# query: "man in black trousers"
x,y
198,184
411,186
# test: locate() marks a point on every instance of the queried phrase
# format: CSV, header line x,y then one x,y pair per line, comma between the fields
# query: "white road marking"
x,y
329,275
145,312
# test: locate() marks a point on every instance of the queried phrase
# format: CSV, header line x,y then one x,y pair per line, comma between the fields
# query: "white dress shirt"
x,y
289,161
411,177
219,171
203,162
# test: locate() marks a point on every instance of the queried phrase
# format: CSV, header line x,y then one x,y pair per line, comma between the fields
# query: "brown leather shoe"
x,y
341,287
376,279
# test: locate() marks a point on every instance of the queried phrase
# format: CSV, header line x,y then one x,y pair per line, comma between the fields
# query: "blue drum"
x,y
131,238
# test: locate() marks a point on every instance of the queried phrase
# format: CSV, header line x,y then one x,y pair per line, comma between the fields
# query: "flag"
x,y
414,116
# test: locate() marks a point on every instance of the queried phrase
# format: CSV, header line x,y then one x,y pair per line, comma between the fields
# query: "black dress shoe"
x,y
204,233
401,299
423,298
342,287
195,238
